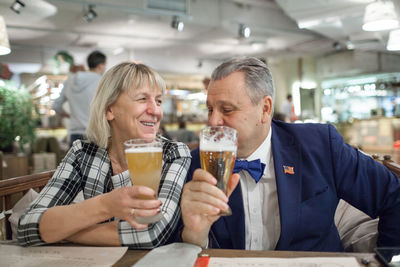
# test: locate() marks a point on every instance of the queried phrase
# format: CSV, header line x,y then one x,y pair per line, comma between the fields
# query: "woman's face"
x,y
135,114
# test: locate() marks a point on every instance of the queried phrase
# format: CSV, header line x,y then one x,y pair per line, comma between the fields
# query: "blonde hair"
x,y
120,78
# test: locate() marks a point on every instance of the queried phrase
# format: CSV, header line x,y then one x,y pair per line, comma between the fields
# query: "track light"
x,y
177,24
90,14
17,6
244,31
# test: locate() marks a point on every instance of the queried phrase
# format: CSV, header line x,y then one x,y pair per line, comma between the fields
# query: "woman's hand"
x,y
128,202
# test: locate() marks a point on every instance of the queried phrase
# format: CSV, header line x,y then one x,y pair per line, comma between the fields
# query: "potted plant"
x,y
19,116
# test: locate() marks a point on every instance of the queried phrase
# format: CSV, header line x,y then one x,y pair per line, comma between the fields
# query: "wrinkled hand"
x,y
119,203
201,203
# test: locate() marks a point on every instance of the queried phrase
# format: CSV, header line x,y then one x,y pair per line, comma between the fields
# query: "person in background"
x,y
185,135
206,82
78,91
127,105
288,109
298,173
163,132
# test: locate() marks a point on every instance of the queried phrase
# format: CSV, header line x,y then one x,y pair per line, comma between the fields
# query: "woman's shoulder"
x,y
173,150
88,148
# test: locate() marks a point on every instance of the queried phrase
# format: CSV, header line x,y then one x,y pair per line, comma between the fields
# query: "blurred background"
x,y
338,59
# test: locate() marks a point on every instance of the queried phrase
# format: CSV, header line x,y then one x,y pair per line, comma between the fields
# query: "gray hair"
x,y
120,78
258,77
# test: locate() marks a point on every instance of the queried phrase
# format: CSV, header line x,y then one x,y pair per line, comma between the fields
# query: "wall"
x,y
288,73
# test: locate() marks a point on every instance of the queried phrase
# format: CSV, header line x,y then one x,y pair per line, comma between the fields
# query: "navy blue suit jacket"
x,y
325,170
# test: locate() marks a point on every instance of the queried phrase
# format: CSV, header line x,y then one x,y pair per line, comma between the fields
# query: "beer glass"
x,y
144,159
218,145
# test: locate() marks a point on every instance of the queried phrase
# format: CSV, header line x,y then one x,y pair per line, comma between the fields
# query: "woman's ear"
x,y
109,114
266,103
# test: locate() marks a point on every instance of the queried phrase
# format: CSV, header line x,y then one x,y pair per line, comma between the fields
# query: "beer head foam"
x,y
220,146
143,149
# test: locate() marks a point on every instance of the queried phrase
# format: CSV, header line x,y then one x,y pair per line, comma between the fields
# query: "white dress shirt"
x,y
260,201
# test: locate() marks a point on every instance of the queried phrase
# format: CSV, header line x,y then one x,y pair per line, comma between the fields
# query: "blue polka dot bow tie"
x,y
255,168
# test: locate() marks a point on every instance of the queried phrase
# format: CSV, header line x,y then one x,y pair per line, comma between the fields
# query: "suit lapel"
x,y
286,156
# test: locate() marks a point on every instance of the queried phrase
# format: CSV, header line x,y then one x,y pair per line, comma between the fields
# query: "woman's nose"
x,y
153,107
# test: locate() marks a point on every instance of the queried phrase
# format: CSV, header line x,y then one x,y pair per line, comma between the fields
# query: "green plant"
x,y
19,116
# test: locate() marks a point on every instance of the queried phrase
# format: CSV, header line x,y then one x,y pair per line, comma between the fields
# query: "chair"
x,y
391,165
357,230
1,165
20,184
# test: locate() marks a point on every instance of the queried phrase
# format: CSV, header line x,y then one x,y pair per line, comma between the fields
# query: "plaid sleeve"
x,y
60,190
176,157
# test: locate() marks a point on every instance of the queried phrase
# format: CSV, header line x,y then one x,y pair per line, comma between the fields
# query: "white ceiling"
x,y
209,36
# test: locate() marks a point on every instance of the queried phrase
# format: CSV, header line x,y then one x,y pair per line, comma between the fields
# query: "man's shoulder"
x,y
308,134
195,153
301,127
195,163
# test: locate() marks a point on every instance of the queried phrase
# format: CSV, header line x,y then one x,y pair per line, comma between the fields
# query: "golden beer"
x,y
144,166
144,159
218,145
220,164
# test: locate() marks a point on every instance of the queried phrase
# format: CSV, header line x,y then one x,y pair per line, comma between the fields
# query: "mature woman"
x,y
127,105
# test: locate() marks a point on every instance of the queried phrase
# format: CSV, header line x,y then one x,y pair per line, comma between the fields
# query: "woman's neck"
x,y
117,156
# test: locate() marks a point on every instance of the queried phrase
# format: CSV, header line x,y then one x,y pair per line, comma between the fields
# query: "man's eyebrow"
x,y
221,102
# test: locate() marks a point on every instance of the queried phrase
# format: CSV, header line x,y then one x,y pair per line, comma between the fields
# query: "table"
x,y
132,256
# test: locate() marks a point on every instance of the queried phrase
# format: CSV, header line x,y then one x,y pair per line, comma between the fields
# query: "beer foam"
x,y
220,146
143,149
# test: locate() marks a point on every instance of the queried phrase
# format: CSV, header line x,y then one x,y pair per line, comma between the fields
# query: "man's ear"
x,y
267,106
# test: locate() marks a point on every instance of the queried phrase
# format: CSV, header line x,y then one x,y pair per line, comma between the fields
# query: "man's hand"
x,y
201,204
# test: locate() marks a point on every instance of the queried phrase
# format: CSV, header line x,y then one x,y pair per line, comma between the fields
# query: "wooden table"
x,y
132,256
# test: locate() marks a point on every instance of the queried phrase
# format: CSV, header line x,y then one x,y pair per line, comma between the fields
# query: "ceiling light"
x,y
380,16
118,51
350,45
4,43
177,24
17,6
393,41
90,14
244,31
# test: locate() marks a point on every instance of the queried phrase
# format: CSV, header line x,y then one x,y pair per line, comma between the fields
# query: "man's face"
x,y
229,105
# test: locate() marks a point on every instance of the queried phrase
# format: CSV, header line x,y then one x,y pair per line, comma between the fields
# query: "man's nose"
x,y
215,119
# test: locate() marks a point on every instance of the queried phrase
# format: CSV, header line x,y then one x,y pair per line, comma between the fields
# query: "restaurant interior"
x,y
339,60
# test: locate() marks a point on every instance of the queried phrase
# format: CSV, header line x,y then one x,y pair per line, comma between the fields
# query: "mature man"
x,y
308,168
79,91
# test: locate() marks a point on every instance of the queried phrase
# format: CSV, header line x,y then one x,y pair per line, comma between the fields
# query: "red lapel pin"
x,y
288,169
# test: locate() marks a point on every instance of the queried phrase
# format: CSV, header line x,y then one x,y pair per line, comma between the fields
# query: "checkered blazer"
x,y
87,168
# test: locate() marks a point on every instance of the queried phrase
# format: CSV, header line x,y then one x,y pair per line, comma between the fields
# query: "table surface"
x,y
132,256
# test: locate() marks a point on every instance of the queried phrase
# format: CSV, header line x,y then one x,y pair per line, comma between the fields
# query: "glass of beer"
x,y
218,145
144,159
